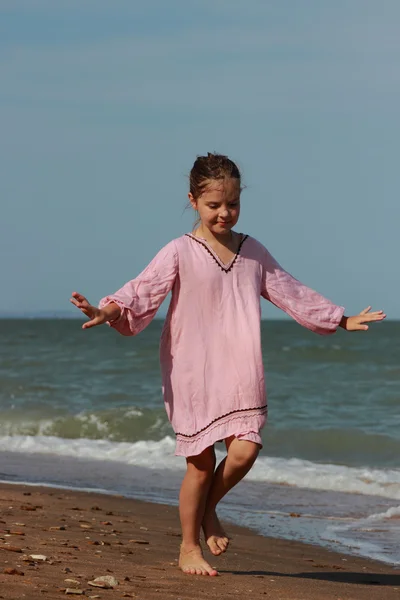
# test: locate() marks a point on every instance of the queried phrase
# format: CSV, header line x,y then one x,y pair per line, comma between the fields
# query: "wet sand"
x,y
85,535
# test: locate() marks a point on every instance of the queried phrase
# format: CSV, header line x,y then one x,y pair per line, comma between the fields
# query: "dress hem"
x,y
245,427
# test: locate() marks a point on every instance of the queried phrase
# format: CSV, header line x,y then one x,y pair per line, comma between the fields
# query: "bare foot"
x,y
214,534
192,562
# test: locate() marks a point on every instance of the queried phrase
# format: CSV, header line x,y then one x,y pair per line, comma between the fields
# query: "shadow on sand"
x,y
378,579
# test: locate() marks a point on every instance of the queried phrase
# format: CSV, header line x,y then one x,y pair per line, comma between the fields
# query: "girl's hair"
x,y
208,168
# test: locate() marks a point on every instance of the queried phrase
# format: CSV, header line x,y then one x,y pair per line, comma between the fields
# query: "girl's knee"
x,y
202,465
243,452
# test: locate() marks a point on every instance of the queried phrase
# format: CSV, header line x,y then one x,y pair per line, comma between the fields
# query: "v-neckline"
x,y
226,267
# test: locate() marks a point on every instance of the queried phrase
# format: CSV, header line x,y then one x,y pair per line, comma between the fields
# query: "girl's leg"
x,y
238,462
192,501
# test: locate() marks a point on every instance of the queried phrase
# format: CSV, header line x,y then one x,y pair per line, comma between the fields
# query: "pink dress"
x,y
211,361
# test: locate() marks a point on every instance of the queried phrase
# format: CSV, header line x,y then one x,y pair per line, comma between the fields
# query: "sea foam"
x,y
160,455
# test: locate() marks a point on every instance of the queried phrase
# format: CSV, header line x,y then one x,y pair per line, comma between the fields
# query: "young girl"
x,y
211,363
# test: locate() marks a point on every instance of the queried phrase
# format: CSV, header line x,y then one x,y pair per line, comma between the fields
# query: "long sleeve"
x,y
306,306
140,298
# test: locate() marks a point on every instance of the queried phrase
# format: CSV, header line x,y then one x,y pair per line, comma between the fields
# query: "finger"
x,y
84,307
92,323
79,297
373,317
366,310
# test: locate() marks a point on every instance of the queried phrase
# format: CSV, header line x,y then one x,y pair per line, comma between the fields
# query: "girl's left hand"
x,y
357,323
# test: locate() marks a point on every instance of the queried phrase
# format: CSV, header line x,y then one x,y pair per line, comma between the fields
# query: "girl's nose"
x,y
224,213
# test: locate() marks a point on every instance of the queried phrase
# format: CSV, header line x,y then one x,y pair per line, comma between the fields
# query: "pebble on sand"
x,y
105,582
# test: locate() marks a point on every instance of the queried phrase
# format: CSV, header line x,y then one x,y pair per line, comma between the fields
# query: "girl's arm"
x,y
138,300
306,306
132,307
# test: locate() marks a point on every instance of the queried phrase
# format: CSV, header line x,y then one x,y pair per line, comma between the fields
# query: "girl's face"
x,y
219,205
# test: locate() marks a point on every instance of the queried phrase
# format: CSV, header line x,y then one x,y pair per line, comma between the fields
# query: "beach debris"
x,y
11,548
105,582
144,528
18,524
138,542
28,507
58,528
105,523
38,557
74,591
96,596
72,581
296,515
95,508
85,526
17,532
11,571
67,570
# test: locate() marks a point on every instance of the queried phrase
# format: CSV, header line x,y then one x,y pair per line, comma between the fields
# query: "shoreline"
x,y
90,534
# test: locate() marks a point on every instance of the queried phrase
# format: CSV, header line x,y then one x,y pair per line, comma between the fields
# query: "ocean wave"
x,y
160,455
391,513
118,424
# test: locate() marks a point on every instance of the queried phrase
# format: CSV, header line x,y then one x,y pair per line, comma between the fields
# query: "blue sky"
x,y
104,107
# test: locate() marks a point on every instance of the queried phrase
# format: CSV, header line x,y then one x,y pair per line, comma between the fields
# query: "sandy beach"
x,y
82,536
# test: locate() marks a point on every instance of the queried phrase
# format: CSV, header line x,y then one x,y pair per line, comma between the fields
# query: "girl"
x,y
212,371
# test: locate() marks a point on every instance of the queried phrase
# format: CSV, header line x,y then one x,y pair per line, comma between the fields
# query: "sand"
x,y
86,535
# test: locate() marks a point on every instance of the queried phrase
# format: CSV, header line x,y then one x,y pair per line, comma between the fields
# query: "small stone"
x,y
84,526
72,581
67,570
138,542
60,528
38,557
74,591
10,571
105,582
11,548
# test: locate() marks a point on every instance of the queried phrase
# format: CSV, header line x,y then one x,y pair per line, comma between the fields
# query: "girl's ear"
x,y
192,201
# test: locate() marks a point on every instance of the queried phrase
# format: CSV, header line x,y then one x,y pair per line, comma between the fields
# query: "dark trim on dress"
x,y
223,268
263,408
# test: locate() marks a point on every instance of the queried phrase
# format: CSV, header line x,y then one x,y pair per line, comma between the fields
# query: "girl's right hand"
x,y
96,315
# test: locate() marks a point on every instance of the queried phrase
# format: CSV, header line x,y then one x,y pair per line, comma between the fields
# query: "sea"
x,y
84,410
